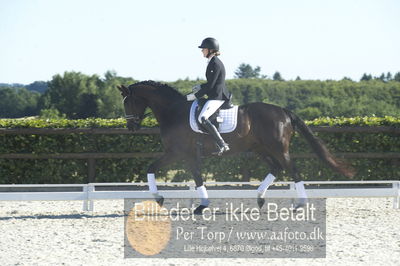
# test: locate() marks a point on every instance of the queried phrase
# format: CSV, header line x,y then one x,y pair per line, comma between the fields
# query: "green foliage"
x,y
81,96
397,77
73,94
246,71
109,99
66,123
312,99
39,86
184,86
367,121
366,77
277,76
17,102
370,102
71,170
243,167
51,113
385,78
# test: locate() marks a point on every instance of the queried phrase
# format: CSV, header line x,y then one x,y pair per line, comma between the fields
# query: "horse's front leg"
x,y
164,160
194,165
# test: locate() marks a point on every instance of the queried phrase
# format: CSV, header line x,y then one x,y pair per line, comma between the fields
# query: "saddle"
x,y
224,119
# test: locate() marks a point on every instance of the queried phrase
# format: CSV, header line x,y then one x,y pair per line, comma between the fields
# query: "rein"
x,y
136,117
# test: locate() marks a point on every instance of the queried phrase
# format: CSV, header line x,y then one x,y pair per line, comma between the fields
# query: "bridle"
x,y
136,119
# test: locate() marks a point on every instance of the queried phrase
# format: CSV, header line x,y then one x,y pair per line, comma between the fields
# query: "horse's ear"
x,y
124,90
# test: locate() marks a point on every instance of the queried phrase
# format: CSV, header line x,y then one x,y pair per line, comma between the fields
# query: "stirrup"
x,y
222,149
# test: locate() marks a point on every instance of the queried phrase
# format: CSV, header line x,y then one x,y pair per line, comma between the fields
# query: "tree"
x,y
88,106
81,96
397,77
110,74
69,93
277,76
51,114
39,86
382,77
18,102
389,76
109,99
246,71
366,77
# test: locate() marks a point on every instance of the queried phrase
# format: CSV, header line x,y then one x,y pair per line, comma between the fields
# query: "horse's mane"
x,y
164,89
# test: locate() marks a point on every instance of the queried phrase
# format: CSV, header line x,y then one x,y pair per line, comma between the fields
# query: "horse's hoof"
x,y
260,202
160,200
199,209
301,204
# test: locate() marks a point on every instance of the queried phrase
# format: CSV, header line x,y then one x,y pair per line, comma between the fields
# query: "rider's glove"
x,y
191,97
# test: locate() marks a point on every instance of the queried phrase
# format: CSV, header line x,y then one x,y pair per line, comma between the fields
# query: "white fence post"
x,y
192,187
91,202
85,201
88,204
396,200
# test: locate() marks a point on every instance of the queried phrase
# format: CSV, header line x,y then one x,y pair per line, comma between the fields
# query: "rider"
x,y
214,88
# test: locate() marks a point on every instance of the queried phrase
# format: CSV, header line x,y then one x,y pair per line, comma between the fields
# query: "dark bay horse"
x,y
264,129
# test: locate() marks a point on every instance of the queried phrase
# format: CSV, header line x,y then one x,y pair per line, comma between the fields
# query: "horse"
x,y
264,129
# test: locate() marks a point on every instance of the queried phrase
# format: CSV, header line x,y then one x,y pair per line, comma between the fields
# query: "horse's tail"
x,y
319,147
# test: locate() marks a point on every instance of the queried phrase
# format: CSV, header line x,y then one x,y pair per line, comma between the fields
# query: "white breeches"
x,y
210,108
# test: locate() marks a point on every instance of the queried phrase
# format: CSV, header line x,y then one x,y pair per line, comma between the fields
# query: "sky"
x,y
159,39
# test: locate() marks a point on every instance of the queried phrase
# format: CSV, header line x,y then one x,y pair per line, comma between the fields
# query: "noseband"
x,y
135,118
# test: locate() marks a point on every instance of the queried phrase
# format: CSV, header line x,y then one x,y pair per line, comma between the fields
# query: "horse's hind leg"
x,y
269,179
298,183
278,162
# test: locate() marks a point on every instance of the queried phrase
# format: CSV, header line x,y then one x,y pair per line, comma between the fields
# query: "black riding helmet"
x,y
210,43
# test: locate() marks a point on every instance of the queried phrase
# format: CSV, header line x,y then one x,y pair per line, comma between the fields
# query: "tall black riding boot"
x,y
222,146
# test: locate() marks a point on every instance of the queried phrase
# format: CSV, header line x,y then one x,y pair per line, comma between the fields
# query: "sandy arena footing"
x,y
359,231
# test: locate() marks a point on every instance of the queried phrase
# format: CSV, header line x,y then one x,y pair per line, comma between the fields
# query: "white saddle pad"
x,y
229,117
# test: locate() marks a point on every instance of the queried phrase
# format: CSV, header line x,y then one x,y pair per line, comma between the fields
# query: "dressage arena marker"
x,y
88,193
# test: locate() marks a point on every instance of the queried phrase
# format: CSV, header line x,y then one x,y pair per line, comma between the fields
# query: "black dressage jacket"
x,y
215,87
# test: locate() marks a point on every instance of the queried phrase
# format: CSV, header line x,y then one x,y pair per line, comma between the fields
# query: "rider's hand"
x,y
196,88
191,97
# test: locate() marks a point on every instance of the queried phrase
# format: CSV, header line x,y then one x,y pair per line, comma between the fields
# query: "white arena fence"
x,y
88,193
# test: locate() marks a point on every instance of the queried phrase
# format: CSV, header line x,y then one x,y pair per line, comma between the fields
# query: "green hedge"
x,y
224,169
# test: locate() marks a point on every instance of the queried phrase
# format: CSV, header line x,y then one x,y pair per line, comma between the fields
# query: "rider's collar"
x,y
209,59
